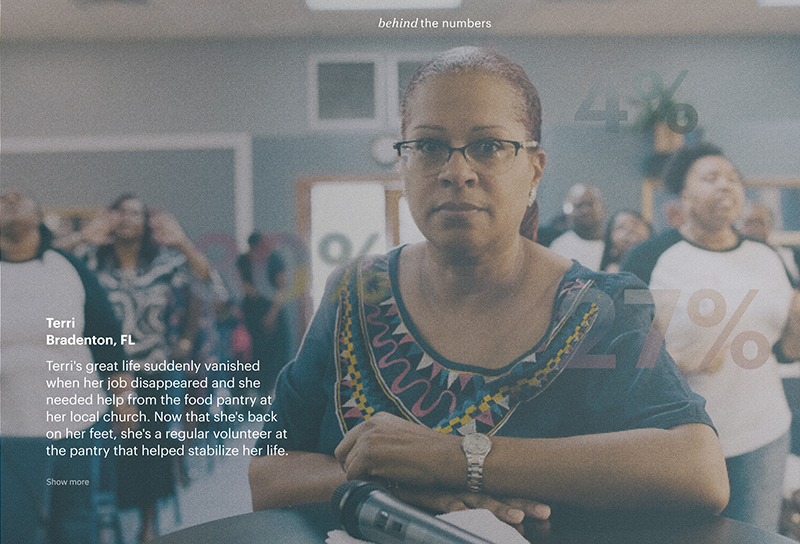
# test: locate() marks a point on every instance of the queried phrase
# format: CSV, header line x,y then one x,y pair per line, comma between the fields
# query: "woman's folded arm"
x,y
678,468
298,477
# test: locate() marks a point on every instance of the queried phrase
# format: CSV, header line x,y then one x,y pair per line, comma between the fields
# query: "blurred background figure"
x,y
625,230
557,226
757,222
714,270
673,212
40,282
268,324
244,265
584,241
147,265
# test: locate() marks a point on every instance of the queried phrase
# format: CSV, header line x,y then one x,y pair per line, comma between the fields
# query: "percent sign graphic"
x,y
343,246
681,118
666,301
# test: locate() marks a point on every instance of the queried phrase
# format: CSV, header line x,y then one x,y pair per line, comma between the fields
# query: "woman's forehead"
x,y
711,163
466,98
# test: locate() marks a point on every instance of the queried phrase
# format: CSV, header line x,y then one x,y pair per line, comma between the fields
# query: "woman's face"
x,y
627,232
130,218
713,194
456,208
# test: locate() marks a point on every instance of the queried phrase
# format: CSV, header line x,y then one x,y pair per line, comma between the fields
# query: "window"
x,y
358,91
346,92
401,68
343,218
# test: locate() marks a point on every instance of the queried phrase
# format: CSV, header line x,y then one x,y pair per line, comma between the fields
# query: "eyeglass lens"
x,y
430,156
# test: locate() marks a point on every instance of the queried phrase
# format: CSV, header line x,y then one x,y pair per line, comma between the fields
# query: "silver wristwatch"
x,y
476,447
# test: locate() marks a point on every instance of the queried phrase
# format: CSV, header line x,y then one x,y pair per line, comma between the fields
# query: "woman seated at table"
x,y
419,359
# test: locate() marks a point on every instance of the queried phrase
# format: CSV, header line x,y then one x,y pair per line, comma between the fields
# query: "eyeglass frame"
x,y
525,144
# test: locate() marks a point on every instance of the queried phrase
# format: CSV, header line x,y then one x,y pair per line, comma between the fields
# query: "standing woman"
x,y
718,272
419,359
134,262
625,230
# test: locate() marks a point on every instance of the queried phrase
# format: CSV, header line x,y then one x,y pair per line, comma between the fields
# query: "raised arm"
x,y
168,232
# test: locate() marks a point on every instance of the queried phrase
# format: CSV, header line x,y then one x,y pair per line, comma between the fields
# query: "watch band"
x,y
475,476
476,447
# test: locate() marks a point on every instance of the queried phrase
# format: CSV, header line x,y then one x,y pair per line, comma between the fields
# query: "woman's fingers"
x,y
531,508
501,510
512,511
432,500
346,445
378,446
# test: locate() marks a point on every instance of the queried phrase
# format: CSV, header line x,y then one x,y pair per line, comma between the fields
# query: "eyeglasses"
x,y
487,156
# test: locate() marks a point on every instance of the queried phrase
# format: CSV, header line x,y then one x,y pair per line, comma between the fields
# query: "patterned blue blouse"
x,y
363,355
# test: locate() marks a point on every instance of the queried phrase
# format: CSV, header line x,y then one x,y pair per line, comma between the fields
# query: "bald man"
x,y
584,241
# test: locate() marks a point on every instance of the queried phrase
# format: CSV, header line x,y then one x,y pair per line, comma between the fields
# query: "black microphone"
x,y
369,512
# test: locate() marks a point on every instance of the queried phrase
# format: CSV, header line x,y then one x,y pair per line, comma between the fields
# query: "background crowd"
x,y
137,262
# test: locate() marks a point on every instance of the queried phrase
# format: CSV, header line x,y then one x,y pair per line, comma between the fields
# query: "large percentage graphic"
x,y
681,118
336,248
716,317
666,301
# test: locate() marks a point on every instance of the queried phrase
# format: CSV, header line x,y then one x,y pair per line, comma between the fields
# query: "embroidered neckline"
x,y
552,328
382,366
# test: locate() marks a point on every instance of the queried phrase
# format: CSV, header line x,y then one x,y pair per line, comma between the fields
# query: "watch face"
x,y
477,443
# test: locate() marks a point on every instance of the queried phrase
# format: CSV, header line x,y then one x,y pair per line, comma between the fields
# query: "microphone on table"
x,y
367,511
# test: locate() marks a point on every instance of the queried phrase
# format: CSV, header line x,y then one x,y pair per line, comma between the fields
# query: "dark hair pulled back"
x,y
479,59
487,61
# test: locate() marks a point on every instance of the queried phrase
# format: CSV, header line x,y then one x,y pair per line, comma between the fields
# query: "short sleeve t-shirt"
x,y
745,397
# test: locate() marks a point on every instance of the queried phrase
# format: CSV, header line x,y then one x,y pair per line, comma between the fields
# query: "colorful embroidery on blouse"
x,y
382,368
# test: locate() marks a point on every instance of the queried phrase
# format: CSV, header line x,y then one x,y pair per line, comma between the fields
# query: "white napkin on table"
x,y
478,521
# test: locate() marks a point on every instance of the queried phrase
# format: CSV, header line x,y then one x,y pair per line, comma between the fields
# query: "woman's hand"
x,y
510,510
166,229
391,448
168,232
98,230
182,349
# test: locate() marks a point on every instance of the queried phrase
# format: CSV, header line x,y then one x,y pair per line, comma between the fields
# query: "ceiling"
x,y
45,20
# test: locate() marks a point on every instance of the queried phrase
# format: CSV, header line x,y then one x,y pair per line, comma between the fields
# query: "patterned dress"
x,y
145,301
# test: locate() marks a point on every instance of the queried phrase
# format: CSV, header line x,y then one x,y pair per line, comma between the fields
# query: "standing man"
x,y
268,324
42,285
584,241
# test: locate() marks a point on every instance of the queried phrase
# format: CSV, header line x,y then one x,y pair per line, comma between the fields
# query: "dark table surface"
x,y
309,524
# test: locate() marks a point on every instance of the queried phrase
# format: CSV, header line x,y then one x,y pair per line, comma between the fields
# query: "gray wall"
x,y
745,89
